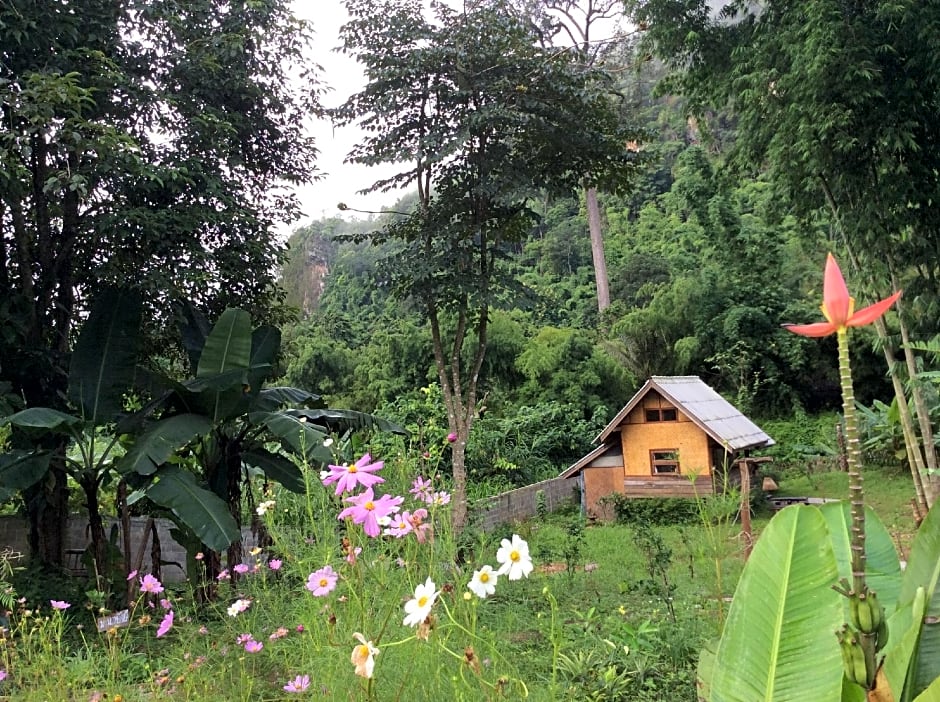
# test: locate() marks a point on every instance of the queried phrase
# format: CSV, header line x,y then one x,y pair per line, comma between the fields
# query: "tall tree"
x,y
837,101
580,22
487,118
144,141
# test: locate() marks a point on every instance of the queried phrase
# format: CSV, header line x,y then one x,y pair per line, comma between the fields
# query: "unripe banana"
x,y
864,621
877,610
859,666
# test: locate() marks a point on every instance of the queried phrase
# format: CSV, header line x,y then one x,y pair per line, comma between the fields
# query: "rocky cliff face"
x,y
312,282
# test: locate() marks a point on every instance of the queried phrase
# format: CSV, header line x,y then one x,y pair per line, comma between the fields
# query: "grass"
x,y
609,612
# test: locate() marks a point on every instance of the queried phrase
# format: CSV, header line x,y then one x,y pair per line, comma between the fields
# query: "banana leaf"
x,y
923,570
882,567
155,447
779,640
105,356
195,506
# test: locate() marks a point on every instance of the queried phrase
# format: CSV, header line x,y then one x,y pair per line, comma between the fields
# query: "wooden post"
x,y
745,470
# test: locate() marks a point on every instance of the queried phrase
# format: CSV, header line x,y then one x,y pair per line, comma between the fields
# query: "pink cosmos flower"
x,y
166,604
166,624
3,675
365,509
322,582
298,684
150,584
59,604
348,477
241,568
440,498
132,575
253,646
243,639
351,556
224,575
416,519
399,526
275,564
278,633
421,488
300,628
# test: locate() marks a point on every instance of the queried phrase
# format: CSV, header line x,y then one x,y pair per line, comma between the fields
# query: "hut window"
x,y
662,415
664,461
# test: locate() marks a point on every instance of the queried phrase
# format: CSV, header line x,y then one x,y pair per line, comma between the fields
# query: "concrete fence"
x,y
489,513
522,503
13,538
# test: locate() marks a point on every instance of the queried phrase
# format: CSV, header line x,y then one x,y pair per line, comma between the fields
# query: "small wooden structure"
x,y
675,438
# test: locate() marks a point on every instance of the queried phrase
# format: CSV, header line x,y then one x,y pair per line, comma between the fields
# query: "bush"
x,y
659,511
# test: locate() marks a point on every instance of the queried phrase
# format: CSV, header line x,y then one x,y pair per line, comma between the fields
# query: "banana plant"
x,y
789,634
231,427
86,441
778,642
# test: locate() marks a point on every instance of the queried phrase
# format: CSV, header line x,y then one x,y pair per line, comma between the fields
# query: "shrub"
x,y
658,511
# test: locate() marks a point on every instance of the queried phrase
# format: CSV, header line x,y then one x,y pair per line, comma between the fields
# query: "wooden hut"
x,y
675,438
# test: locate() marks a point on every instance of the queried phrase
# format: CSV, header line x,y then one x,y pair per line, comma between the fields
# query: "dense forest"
x,y
599,191
707,255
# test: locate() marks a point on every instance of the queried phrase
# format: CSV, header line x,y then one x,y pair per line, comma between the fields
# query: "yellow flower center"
x,y
423,601
363,651
484,577
353,469
514,556
369,506
324,582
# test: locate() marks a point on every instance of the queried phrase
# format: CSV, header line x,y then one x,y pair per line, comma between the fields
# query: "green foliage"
x,y
653,511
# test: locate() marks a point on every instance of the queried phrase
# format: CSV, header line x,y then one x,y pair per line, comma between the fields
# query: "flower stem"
x,y
854,461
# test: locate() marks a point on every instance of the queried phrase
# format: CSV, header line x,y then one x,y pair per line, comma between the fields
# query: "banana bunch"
x,y
868,617
859,666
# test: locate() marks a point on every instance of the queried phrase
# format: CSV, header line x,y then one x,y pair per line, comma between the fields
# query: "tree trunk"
x,y
923,415
597,248
96,528
47,507
460,512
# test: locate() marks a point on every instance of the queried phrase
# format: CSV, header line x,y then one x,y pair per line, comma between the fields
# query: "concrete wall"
x,y
13,537
519,504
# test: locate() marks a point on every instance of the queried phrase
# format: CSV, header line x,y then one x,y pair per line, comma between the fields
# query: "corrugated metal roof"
x,y
710,411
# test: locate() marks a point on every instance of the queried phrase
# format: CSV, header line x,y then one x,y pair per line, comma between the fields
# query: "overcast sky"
x,y
340,182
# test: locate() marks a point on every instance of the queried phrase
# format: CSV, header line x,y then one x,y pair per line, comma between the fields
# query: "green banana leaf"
x,y
276,468
340,420
154,447
227,350
228,346
105,356
44,419
706,669
882,567
271,399
265,344
931,694
923,570
900,653
195,506
300,437
779,640
22,469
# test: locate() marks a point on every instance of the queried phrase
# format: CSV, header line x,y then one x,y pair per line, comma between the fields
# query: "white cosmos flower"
x,y
363,656
483,582
513,558
418,608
